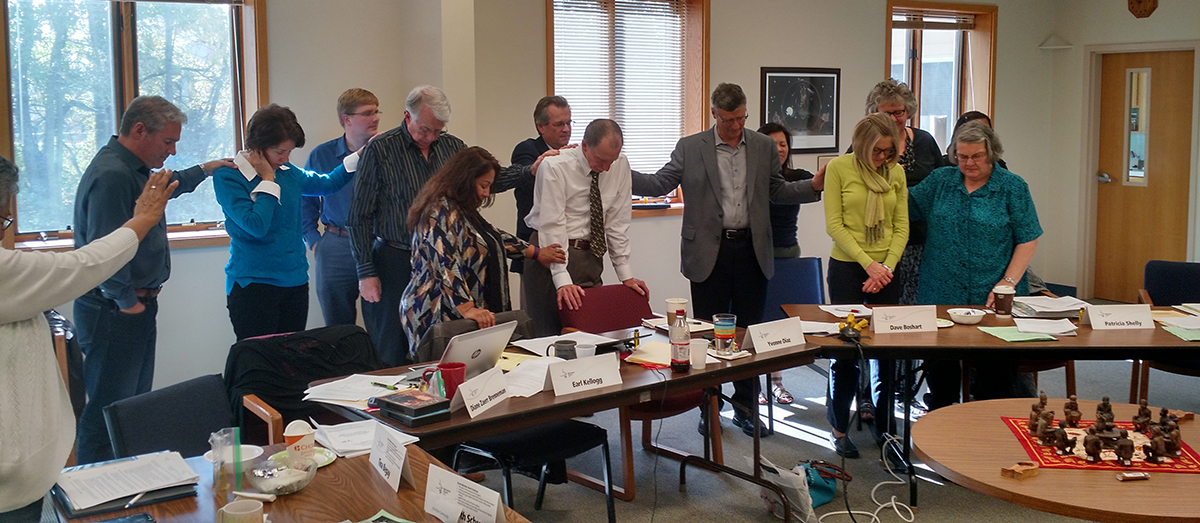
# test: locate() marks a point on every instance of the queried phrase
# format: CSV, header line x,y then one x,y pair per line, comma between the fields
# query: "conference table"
x,y
968,444
638,385
966,342
347,489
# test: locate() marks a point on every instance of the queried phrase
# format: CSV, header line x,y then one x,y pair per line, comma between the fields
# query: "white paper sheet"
x,y
356,387
819,327
1190,322
92,486
1048,304
538,345
841,311
1059,327
529,377
353,438
694,325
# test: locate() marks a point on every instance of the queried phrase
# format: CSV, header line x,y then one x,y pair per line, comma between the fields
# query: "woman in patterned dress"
x,y
458,258
982,232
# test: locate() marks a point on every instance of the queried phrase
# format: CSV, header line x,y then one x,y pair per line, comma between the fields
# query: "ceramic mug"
x,y
452,374
241,511
564,349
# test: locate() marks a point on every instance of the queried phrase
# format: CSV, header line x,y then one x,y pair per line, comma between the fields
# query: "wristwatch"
x,y
1010,280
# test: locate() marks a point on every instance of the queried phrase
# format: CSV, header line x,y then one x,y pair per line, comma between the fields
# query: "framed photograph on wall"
x,y
824,159
805,100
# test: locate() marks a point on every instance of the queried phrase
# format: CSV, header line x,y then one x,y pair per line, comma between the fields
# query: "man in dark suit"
x,y
552,118
729,174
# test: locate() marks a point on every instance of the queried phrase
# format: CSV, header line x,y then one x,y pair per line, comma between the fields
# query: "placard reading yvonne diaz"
x,y
1118,317
900,320
582,374
481,393
774,335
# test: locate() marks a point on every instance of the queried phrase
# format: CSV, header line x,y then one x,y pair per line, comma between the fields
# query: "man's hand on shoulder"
x,y
818,180
637,285
570,297
211,166
551,152
371,289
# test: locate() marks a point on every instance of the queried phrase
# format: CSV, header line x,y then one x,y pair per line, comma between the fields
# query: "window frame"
x,y
978,47
250,72
696,70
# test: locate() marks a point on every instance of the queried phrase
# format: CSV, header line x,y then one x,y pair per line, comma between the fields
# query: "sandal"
x,y
866,411
782,396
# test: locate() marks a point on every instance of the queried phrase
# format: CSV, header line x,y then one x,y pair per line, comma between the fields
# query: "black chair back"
x,y
179,417
1172,283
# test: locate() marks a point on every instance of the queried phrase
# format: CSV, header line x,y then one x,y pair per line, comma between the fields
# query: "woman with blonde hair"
x,y
866,215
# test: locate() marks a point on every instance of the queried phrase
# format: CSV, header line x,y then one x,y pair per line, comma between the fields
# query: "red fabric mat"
x,y
1047,457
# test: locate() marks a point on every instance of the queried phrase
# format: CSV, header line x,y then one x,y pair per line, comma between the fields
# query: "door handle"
x,y
1103,178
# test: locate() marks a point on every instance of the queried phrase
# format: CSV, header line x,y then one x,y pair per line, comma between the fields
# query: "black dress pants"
x,y
260,309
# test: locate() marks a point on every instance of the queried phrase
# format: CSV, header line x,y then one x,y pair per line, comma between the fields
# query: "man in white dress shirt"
x,y
582,199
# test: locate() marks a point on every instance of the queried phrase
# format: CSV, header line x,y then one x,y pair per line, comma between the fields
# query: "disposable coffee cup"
x,y
299,437
675,304
585,350
1003,296
699,353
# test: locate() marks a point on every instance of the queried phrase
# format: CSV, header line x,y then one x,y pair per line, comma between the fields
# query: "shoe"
x,y
844,447
782,396
894,463
866,412
747,426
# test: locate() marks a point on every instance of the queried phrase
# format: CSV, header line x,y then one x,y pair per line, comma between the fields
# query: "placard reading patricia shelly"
x,y
1118,317
900,320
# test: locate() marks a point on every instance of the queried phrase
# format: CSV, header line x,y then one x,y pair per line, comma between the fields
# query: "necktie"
x,y
599,247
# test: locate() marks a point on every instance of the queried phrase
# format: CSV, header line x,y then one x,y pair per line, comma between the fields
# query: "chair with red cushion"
x,y
614,307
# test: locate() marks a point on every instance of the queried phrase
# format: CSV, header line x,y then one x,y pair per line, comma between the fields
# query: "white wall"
x,y
490,58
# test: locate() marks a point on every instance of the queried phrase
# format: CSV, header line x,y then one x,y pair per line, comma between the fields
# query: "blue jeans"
x,y
336,279
118,363
31,513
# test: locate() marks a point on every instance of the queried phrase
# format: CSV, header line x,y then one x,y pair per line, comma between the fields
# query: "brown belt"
x,y
337,231
580,244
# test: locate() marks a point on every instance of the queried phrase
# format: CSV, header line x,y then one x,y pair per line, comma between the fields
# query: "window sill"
x,y
177,240
675,210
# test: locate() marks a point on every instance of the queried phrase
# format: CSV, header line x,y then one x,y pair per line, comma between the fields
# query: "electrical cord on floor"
x,y
892,444
661,406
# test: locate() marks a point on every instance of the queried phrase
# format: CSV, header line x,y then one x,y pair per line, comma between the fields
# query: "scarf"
x,y
878,182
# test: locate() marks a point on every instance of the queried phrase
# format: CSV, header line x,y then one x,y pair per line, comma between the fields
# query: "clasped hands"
x,y
878,276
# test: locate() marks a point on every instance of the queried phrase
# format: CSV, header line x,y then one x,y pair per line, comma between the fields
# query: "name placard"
x,y
453,498
774,335
481,393
901,320
582,374
1117,317
388,455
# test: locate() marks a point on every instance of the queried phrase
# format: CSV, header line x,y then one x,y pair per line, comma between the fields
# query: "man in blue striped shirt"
x,y
393,168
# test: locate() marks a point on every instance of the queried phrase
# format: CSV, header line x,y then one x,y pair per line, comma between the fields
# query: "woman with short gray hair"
x,y
39,424
982,232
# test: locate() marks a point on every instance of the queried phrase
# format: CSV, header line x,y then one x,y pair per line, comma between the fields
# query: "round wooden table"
x,y
969,444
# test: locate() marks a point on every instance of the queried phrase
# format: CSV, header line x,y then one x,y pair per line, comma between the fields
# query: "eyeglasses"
x,y
560,125
736,119
897,113
5,223
883,152
425,131
974,158
367,114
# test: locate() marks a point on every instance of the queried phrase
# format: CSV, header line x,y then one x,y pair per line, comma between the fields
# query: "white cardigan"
x,y
37,425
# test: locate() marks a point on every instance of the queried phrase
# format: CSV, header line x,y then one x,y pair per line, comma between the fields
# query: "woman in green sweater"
x,y
866,214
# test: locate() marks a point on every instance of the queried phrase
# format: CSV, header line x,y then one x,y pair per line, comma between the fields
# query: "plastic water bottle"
x,y
681,340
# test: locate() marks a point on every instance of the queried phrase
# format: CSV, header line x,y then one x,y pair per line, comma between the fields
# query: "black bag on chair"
x,y
279,368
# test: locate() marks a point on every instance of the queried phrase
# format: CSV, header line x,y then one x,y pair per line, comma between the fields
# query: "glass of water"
x,y
724,327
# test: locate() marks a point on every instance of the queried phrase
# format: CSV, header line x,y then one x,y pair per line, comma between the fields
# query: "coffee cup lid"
x,y
1004,289
298,428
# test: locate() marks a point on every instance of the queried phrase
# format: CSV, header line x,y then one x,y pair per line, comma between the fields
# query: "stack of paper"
x,y
655,353
1186,322
538,345
353,391
91,486
819,327
1190,308
841,311
1059,327
530,376
1011,334
352,439
694,325
1046,307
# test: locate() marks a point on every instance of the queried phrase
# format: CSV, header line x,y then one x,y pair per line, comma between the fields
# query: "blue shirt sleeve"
x,y
1022,212
253,215
310,212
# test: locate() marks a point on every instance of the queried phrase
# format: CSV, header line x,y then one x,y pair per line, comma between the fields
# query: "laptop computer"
x,y
479,349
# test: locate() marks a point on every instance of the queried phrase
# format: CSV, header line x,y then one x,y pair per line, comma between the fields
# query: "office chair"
x,y
796,280
180,418
614,307
1165,283
433,345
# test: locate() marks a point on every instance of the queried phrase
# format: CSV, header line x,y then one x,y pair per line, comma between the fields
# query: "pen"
x,y
135,499
384,385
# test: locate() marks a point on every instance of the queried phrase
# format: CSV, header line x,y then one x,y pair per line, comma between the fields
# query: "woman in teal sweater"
x,y
266,279
866,214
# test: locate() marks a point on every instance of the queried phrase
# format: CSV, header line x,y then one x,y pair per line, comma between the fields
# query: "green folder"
x,y
1012,334
1184,334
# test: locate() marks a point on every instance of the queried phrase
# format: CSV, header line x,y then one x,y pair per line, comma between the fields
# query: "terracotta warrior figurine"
x,y
1035,412
1125,449
1071,411
1092,445
1141,422
1064,444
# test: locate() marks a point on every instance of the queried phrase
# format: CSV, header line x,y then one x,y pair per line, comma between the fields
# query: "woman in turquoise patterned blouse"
x,y
458,258
982,232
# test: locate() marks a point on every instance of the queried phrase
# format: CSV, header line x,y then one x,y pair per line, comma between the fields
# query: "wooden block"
x,y
1183,415
1022,470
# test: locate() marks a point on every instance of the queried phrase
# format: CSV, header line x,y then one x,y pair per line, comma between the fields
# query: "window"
x,y
631,61
946,55
75,64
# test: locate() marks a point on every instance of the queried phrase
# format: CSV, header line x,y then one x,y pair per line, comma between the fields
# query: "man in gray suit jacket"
x,y
729,175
